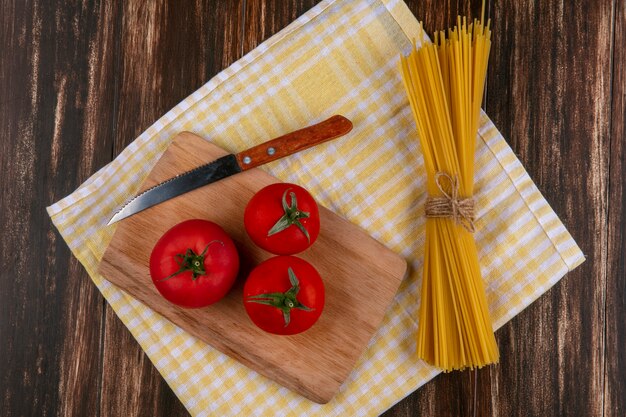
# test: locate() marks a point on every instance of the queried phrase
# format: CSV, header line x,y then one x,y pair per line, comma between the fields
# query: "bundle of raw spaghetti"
x,y
444,83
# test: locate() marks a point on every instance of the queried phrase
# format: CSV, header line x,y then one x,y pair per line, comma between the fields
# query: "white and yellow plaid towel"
x,y
340,57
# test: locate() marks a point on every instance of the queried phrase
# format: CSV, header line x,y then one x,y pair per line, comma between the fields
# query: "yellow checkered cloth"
x,y
338,58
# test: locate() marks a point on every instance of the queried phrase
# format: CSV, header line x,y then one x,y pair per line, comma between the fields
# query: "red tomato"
x,y
284,295
282,218
194,264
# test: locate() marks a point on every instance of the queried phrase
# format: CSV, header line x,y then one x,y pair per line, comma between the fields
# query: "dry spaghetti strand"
x,y
444,82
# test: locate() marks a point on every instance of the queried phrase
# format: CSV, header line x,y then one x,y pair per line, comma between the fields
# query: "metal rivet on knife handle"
x,y
294,142
247,160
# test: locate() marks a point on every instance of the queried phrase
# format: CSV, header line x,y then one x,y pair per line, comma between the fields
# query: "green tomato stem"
x,y
291,216
191,261
283,301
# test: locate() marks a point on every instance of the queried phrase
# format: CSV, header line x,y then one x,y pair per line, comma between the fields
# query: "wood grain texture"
x,y
360,276
266,17
614,395
56,101
550,95
79,80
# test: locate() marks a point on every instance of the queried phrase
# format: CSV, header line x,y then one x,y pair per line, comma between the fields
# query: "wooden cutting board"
x,y
360,275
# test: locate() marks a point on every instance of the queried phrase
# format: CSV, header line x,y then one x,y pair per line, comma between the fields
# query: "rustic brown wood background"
x,y
80,79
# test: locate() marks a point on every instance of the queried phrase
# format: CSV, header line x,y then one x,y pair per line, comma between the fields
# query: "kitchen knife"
x,y
235,163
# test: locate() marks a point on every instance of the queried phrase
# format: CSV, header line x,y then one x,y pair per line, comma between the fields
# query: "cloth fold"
x,y
338,58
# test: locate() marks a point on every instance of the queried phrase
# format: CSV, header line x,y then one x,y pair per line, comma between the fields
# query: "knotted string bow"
x,y
450,205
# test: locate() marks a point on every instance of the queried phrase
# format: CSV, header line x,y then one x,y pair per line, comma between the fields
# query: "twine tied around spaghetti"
x,y
450,205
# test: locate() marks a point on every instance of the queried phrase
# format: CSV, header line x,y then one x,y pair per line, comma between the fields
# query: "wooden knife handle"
x,y
293,142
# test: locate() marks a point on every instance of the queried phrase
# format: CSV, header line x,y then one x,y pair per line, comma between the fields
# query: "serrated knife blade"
x,y
228,165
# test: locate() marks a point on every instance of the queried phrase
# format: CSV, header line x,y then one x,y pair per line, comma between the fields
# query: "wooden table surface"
x,y
79,80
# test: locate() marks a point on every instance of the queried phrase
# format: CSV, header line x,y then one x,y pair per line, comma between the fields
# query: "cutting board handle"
x,y
294,142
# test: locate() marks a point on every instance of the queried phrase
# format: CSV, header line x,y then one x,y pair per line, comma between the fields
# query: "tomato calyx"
x,y
291,217
191,261
284,301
